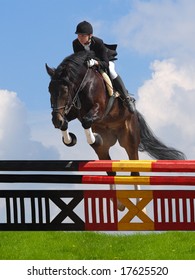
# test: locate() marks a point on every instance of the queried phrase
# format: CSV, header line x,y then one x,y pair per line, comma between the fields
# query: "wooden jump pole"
x,y
97,179
99,165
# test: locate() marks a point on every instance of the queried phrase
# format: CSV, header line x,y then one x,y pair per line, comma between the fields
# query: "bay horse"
x,y
79,92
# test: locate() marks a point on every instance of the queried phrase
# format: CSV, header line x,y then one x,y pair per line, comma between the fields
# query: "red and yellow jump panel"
x,y
168,210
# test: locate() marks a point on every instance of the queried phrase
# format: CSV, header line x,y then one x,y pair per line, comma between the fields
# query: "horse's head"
x,y
60,97
67,80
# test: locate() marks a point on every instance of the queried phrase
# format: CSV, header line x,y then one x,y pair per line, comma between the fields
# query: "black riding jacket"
x,y
103,52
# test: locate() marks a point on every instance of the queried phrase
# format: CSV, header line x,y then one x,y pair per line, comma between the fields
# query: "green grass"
x,y
96,246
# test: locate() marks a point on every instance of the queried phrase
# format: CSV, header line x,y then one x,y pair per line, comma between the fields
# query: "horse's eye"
x,y
64,89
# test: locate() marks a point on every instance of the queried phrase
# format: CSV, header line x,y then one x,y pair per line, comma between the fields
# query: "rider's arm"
x,y
101,52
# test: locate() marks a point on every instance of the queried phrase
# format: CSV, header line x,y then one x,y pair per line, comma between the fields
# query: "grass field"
x,y
96,246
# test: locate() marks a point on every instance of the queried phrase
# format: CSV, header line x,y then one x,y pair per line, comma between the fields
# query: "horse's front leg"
x,y
87,121
68,138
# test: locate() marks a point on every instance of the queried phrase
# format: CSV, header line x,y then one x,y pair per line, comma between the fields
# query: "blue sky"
x,y
39,31
156,59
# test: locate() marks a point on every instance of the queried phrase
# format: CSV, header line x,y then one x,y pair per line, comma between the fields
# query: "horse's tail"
x,y
153,146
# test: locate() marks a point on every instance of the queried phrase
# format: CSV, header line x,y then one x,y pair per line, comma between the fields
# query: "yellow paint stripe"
x,y
132,180
133,165
134,194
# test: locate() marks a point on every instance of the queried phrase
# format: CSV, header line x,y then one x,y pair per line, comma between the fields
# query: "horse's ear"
x,y
50,71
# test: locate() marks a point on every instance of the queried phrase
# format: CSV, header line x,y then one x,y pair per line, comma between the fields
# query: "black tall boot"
x,y
119,86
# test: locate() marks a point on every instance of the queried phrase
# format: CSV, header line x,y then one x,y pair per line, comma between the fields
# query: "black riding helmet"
x,y
84,27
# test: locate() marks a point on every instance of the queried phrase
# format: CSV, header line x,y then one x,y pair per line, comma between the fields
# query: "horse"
x,y
79,92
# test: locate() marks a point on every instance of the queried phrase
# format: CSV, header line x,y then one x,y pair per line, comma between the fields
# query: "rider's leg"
x,y
108,82
119,86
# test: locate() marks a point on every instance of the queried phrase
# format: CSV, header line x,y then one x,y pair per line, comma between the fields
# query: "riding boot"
x,y
119,86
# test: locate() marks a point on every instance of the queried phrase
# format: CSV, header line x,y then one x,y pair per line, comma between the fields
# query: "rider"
x,y
105,55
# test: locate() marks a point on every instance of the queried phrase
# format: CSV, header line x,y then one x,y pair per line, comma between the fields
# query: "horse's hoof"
x,y
73,142
120,206
98,140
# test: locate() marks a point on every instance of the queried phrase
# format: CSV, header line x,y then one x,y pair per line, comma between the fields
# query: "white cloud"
x,y
159,27
167,101
15,133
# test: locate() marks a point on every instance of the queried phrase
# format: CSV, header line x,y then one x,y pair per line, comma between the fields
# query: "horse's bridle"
x,y
75,100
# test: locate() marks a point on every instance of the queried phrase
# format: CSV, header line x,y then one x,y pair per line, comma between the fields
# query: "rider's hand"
x,y
92,62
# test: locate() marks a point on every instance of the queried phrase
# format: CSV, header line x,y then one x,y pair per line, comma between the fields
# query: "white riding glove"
x,y
92,62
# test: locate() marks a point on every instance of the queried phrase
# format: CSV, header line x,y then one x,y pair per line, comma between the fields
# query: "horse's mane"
x,y
70,67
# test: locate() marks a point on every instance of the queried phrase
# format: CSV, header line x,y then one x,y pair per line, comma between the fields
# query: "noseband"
x,y
75,102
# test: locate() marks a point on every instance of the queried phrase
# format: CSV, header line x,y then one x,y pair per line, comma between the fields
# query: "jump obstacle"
x,y
96,210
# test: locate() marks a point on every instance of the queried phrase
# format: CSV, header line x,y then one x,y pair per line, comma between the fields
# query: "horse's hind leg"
x,y
129,139
120,205
103,154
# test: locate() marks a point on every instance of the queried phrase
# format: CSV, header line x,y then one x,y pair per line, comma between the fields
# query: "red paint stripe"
x,y
87,179
96,165
184,204
174,194
101,216
192,210
108,207
93,207
174,226
173,166
162,206
177,210
172,180
170,210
